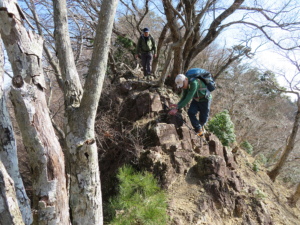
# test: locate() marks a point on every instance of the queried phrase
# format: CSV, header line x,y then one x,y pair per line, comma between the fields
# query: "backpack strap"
x,y
200,89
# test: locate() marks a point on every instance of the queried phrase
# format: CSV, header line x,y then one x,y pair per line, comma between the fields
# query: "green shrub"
x,y
222,126
247,147
140,200
255,166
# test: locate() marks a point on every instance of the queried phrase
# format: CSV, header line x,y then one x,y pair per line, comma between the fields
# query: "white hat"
x,y
179,80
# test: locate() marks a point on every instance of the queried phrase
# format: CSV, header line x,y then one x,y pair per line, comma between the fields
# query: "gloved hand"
x,y
173,111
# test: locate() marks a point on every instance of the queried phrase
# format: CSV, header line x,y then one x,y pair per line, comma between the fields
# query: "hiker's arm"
x,y
184,92
190,94
154,47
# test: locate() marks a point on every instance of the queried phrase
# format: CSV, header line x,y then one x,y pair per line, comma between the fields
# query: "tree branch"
x,y
72,88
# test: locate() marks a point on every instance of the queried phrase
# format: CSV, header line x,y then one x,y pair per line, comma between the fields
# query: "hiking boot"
x,y
204,131
201,132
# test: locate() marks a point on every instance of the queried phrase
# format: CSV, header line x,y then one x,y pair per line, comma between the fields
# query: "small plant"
x,y
247,147
222,126
259,194
140,200
262,159
247,163
255,167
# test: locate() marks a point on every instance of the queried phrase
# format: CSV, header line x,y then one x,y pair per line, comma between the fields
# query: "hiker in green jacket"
x,y
195,90
146,45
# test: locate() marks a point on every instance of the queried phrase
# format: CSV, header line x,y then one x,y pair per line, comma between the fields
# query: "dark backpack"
x,y
204,75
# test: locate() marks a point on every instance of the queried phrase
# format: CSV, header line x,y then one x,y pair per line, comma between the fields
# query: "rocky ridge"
x,y
206,184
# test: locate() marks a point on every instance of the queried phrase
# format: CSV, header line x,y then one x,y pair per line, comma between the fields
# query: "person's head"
x,y
146,31
181,81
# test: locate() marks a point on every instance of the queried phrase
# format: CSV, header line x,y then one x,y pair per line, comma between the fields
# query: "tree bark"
x,y
72,86
8,150
296,196
161,39
165,69
81,149
288,149
9,209
24,49
177,66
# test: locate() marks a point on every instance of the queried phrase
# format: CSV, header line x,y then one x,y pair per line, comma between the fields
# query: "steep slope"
x,y
206,184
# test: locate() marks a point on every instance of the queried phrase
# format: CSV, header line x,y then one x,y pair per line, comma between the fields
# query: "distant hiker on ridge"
x,y
145,46
195,88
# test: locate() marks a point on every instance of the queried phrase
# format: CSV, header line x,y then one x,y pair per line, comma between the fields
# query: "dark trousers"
x,y
147,62
203,108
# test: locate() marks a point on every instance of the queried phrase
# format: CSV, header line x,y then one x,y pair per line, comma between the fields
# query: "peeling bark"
x,y
24,48
9,209
8,151
83,167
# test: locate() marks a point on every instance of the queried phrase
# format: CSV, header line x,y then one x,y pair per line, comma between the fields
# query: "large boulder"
x,y
215,146
148,102
213,164
163,134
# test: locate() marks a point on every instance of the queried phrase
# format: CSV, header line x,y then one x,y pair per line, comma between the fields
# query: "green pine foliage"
x,y
222,126
255,167
140,200
247,147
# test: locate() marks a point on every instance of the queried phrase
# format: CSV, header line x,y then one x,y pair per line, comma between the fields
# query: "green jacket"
x,y
143,47
193,91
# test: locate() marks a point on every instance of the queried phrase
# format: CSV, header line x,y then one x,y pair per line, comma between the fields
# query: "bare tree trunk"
x,y
296,196
24,48
288,149
9,209
8,150
81,148
164,72
161,39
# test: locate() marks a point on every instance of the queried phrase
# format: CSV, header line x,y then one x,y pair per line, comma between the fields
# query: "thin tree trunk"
x,y
296,196
9,209
24,48
288,149
8,150
161,39
165,69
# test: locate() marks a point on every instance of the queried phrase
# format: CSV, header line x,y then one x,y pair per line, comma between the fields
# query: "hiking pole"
x,y
165,106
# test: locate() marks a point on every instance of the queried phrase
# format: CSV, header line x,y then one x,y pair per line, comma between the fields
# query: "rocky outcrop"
x,y
204,181
177,152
